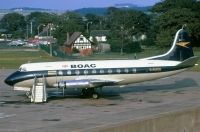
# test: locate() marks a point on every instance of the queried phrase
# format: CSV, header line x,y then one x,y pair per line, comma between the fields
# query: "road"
x,y
117,105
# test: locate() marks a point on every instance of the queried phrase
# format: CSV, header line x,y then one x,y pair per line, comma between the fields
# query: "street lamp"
x,y
50,27
38,28
88,26
5,35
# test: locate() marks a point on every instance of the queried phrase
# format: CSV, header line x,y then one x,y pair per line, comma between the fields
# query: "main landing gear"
x,y
90,92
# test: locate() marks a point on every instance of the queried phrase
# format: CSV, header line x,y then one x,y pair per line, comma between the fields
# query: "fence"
x,y
56,51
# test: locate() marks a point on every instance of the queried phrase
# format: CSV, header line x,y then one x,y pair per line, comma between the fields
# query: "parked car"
x,y
16,43
31,45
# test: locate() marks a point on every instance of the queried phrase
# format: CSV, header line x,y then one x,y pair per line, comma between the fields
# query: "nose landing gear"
x,y
28,94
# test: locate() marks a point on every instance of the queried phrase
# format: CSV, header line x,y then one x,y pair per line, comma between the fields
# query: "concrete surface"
x,y
143,107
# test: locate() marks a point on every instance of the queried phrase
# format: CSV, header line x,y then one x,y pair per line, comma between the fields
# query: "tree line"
x,y
123,24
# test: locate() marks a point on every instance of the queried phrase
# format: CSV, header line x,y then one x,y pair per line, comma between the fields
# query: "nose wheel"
x,y
28,94
90,93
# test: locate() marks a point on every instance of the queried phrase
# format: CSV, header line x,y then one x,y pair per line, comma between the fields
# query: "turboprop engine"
x,y
74,84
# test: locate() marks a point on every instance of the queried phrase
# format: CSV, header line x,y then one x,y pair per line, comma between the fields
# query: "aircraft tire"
x,y
28,94
95,95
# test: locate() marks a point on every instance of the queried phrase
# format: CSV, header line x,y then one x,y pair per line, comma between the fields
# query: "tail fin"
x,y
180,50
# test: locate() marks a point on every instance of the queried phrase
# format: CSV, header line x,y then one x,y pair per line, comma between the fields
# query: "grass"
x,y
12,58
146,53
197,53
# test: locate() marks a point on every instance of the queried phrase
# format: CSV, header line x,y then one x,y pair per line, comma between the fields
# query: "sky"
x,y
70,4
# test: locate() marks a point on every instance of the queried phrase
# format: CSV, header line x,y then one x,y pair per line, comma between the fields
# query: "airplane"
x,y
91,75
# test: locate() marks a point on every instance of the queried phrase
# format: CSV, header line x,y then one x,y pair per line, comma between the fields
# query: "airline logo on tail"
x,y
183,44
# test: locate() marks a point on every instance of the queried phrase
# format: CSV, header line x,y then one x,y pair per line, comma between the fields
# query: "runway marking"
x,y
3,115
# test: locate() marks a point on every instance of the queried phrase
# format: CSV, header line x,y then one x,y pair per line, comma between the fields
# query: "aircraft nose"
x,y
10,80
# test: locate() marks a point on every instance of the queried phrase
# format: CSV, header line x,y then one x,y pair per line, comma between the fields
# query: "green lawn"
x,y
197,53
145,53
13,59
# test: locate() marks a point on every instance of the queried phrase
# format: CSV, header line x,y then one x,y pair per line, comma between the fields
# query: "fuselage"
x,y
122,72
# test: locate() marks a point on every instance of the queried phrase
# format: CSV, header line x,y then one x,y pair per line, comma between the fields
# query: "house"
x,y
99,35
139,37
77,41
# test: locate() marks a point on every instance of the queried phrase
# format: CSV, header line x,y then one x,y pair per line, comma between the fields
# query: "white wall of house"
x,y
143,37
139,38
82,43
99,38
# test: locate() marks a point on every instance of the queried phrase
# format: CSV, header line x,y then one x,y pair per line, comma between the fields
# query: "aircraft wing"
x,y
85,83
98,83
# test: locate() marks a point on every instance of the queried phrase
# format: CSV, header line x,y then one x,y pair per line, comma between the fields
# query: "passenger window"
x,y
77,72
134,70
94,71
60,73
118,71
69,72
101,71
85,72
126,70
109,71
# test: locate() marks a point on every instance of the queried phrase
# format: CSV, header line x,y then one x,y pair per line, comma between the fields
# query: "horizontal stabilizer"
x,y
189,62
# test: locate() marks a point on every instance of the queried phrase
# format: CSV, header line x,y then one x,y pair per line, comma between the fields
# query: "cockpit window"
x,y
22,69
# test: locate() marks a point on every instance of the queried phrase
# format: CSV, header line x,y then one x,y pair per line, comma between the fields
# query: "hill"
x,y
103,10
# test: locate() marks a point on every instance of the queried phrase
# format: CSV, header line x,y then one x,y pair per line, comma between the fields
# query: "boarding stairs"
x,y
39,94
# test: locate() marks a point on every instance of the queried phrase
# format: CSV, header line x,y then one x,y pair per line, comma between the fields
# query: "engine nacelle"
x,y
74,84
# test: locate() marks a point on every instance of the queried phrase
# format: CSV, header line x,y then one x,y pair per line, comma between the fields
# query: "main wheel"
x,y
95,95
88,93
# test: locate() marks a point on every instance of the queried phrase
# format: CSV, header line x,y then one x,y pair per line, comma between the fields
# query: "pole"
x,y
38,28
51,52
27,31
88,26
31,27
122,46
100,23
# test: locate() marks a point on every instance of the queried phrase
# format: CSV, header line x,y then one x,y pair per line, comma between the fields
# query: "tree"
x,y
98,22
15,24
38,18
167,5
125,24
174,17
68,23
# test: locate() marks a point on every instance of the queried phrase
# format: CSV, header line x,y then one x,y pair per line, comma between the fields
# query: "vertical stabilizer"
x,y
180,50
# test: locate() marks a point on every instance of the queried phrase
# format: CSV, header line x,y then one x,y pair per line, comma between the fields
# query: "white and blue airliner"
x,y
90,75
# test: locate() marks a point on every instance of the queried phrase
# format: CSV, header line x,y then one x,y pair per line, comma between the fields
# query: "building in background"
x,y
78,42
